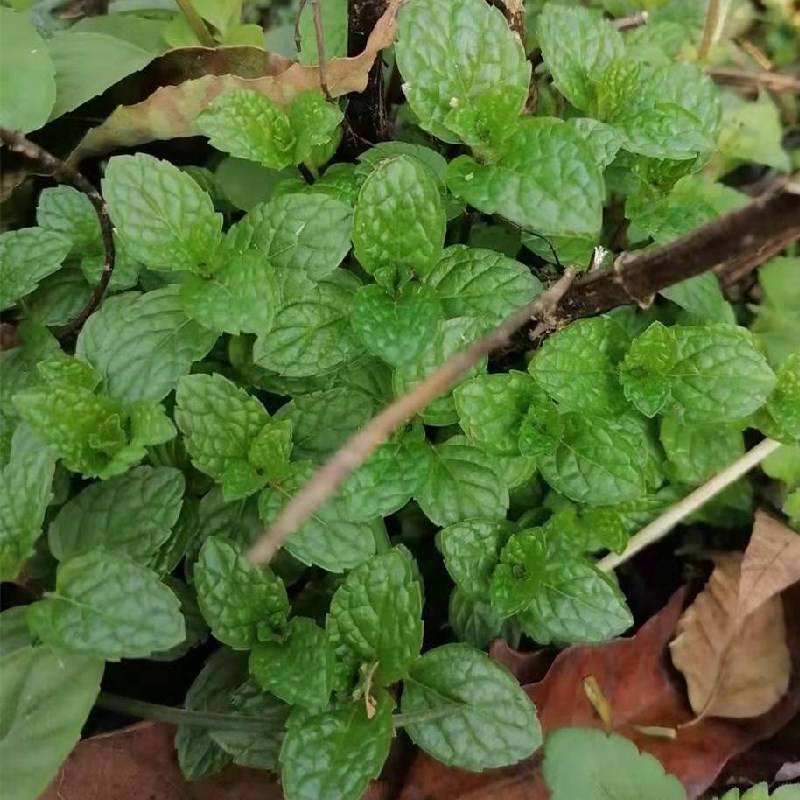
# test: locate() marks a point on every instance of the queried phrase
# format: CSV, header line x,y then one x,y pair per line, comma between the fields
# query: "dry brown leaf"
x,y
771,562
735,665
171,111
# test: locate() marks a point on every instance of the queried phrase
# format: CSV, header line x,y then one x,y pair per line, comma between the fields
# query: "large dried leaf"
x,y
771,563
171,111
735,665
635,678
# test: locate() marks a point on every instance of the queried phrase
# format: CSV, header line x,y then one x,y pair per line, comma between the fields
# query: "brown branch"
x,y
316,14
715,17
633,21
753,81
360,446
17,143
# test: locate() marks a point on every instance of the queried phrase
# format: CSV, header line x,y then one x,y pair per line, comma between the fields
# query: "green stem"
x,y
197,24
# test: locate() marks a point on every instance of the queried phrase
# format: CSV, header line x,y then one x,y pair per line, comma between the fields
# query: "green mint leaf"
x,y
516,580
491,409
388,479
333,754
131,514
471,550
710,374
609,766
333,14
311,332
329,539
269,453
27,256
780,418
220,422
25,491
107,606
519,185
696,452
308,233
183,536
196,627
492,724
761,792
59,298
14,633
451,54
396,329
784,465
453,336
322,421
578,366
299,668
376,617
143,343
575,603
315,122
475,622
471,282
247,124
46,696
399,222
240,602
777,323
603,140
241,295
463,483
162,216
65,210
702,300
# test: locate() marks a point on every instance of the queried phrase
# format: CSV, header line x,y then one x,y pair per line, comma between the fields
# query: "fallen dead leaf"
x,y
771,562
736,665
636,678
171,111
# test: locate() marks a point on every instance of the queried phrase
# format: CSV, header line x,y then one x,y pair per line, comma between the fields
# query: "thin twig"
x,y
753,81
361,445
196,23
715,19
316,14
18,143
633,21
683,508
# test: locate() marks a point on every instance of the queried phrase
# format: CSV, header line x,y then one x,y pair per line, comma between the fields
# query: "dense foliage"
x,y
266,303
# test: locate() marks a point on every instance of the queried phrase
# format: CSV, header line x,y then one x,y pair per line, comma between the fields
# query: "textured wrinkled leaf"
x,y
376,617
702,299
333,754
299,668
14,633
474,282
519,185
304,232
451,54
132,514
516,580
399,221
780,418
143,343
471,550
25,490
463,482
475,622
107,606
315,122
492,723
239,601
609,766
27,256
161,214
396,329
45,697
491,408
65,210
578,366
696,452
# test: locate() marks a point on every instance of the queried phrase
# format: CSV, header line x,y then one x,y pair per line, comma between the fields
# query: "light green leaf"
x,y
333,14
315,122
161,214
548,181
578,366
702,299
14,633
780,418
396,329
333,754
271,448
471,550
132,514
45,697
222,14
107,606
789,791
25,491
609,766
492,724
784,465
143,343
376,617
27,256
27,83
59,298
298,668
472,282
777,321
463,483
475,622
241,603
451,54
399,222
696,452
65,210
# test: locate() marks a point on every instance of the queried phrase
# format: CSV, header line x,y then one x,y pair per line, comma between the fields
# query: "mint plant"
x,y
269,296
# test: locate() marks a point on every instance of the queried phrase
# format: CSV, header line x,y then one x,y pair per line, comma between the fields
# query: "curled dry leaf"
x,y
171,111
736,665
